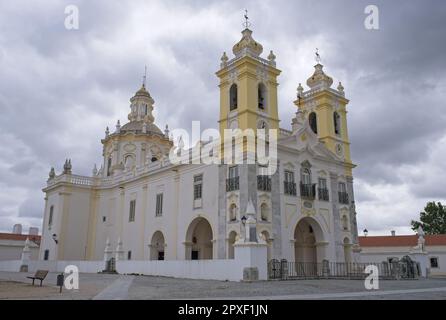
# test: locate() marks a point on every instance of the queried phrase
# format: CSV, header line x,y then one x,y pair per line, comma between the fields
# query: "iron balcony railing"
x,y
308,191
263,183
290,188
339,270
343,197
323,194
232,184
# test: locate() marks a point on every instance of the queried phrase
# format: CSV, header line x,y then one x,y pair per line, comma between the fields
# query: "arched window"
x,y
233,97
337,123
306,176
264,212
50,218
154,159
233,212
109,164
313,121
261,96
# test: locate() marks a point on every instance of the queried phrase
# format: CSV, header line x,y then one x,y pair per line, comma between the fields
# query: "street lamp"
x,y
55,238
244,220
366,232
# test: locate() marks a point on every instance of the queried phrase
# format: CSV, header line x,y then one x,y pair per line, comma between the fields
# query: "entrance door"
x,y
161,255
194,255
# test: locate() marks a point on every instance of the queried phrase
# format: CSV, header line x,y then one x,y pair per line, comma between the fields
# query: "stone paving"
x,y
105,286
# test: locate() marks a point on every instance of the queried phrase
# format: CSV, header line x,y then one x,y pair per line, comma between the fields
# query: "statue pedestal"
x,y
252,257
422,258
26,257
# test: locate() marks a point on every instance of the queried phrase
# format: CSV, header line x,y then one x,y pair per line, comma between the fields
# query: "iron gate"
x,y
283,269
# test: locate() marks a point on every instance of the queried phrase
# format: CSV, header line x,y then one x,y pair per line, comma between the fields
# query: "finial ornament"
x,y
272,58
246,24
341,88
300,91
317,56
224,60
52,174
67,166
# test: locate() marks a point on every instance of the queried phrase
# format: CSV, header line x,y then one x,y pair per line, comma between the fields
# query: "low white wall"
x,y
197,269
10,265
247,256
52,266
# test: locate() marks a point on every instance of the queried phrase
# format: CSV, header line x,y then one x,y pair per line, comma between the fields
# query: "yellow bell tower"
x,y
325,110
248,87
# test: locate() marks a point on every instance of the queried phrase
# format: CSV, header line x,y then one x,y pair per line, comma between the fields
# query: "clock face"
x,y
338,149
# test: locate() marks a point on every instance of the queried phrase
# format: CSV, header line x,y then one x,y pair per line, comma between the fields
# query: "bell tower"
x,y
248,87
325,110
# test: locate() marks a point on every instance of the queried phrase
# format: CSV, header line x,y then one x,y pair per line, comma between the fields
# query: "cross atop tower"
x,y
246,24
144,78
317,56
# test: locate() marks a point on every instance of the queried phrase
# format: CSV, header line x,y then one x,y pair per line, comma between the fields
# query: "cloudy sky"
x,y
60,88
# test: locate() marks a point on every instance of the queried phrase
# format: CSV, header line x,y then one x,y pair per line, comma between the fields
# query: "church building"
x,y
145,207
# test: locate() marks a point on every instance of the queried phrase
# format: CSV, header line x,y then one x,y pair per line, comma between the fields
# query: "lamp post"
x,y
366,232
55,238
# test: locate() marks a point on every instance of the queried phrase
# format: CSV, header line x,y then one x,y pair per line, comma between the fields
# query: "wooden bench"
x,y
40,275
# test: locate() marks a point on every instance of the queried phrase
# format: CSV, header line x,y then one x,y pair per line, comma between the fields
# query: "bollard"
x,y
60,281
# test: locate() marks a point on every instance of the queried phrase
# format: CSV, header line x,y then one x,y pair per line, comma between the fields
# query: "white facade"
x,y
147,208
387,248
12,244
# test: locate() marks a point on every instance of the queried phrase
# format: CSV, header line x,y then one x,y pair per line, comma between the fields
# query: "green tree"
x,y
433,219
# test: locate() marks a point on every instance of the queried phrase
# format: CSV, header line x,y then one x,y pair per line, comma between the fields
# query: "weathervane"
x,y
318,57
247,23
144,78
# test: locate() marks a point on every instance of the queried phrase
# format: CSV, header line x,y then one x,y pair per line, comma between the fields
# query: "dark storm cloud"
x,y
59,88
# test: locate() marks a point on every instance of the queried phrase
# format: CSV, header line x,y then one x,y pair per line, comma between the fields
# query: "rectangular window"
x,y
343,195
129,255
46,255
322,189
233,172
50,218
198,186
232,183
132,210
104,218
159,205
289,176
322,183
434,262
289,184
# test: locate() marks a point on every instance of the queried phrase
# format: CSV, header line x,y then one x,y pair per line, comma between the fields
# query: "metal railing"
x,y
340,270
308,191
263,183
323,194
343,197
232,184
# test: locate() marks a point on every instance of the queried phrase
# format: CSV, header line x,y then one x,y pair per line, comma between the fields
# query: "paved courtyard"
x,y
104,286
